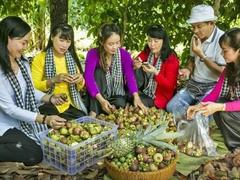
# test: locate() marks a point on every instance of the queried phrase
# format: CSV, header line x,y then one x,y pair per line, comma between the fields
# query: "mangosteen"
x,y
150,160
63,140
145,158
153,167
76,131
134,167
140,150
161,165
68,125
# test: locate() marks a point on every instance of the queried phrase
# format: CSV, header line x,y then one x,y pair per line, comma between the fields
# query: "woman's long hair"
x,y
232,39
10,27
65,31
158,32
106,31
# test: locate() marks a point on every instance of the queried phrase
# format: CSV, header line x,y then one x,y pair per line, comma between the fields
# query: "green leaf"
x,y
187,164
106,177
163,145
169,135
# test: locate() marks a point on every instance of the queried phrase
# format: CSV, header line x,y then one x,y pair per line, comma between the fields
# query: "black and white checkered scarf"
x,y
50,72
230,92
114,76
151,86
29,103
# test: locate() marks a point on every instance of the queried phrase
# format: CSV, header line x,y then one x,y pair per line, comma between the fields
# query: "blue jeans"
x,y
179,103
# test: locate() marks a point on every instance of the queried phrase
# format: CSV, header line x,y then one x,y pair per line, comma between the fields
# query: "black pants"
x,y
229,125
15,146
70,114
142,82
118,101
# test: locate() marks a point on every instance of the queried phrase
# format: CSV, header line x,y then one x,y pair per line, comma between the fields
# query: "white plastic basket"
x,y
73,159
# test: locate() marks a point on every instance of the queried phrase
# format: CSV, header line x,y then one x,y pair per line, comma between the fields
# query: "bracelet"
x,y
50,98
44,119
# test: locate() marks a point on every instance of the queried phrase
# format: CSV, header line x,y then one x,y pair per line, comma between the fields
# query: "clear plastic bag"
x,y
196,140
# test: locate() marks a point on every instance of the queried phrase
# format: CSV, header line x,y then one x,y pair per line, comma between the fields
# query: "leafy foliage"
x,y
34,12
134,16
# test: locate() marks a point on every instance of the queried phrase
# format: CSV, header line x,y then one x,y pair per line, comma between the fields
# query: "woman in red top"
x,y
156,69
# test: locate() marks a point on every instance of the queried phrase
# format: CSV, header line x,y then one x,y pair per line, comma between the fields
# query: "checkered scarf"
x,y
230,92
114,76
50,72
151,86
29,103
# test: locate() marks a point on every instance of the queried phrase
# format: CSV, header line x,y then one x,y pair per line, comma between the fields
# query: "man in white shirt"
x,y
206,62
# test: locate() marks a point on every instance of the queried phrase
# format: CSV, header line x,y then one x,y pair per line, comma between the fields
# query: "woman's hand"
x,y
78,78
205,108
137,63
138,103
209,108
58,99
62,77
106,106
54,121
191,111
150,69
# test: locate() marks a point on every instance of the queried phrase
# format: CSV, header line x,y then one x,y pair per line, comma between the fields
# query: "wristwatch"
x,y
203,58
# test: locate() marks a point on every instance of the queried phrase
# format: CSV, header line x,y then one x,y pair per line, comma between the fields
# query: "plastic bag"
x,y
196,141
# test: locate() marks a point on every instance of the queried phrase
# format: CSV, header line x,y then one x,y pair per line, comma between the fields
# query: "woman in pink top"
x,y
224,100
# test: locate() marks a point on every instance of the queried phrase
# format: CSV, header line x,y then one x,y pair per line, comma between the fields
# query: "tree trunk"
x,y
216,6
58,12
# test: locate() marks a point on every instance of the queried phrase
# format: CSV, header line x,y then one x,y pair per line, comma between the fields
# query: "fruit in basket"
x,y
93,131
55,137
63,140
73,132
167,155
143,161
84,134
140,149
153,167
157,158
147,148
151,150
134,167
68,125
76,131
152,135
63,131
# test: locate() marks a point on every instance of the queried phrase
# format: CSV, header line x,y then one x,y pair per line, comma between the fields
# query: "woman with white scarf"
x,y
20,120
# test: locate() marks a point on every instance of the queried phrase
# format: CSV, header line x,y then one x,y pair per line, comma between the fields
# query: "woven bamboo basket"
x,y
161,174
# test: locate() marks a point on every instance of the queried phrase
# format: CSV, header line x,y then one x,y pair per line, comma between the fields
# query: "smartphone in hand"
x,y
146,64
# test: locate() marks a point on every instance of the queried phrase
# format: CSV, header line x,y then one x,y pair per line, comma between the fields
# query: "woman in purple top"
x,y
108,72
226,111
